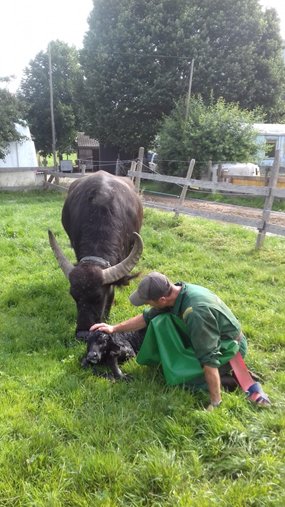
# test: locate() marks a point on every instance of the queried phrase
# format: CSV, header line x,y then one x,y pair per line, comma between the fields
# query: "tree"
x,y
134,61
137,56
219,132
35,92
10,113
238,54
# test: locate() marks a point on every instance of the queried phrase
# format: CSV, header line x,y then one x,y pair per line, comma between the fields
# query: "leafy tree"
x,y
238,54
10,113
35,91
134,62
219,132
137,56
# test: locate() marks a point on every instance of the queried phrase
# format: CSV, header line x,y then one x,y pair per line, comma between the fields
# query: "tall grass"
x,y
69,438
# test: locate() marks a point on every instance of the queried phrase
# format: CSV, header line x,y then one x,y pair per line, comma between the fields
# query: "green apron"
x,y
166,343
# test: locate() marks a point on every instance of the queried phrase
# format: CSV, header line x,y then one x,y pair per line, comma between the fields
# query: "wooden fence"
x,y
262,224
269,192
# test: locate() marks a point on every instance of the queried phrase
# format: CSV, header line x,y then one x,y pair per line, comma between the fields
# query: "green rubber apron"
x,y
166,343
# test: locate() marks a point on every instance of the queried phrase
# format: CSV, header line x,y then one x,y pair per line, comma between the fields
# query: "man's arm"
x,y
132,324
212,377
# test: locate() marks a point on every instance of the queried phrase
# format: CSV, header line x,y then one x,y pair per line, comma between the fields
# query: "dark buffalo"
x,y
102,216
111,349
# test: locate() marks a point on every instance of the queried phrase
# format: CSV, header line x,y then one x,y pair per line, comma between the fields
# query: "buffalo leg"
x,y
116,370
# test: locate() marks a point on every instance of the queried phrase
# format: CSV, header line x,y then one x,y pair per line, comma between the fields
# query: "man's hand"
x,y
132,324
105,328
212,406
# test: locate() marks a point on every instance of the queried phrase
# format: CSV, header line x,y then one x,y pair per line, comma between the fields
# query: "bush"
x,y
219,132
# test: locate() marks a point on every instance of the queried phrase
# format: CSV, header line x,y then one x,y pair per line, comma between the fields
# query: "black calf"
x,y
111,349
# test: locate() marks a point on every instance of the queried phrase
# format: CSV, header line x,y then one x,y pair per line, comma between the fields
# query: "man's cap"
x,y
152,287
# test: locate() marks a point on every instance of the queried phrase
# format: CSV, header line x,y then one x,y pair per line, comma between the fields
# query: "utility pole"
x,y
189,89
51,107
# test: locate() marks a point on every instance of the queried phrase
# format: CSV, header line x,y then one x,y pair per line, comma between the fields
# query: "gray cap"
x,y
152,287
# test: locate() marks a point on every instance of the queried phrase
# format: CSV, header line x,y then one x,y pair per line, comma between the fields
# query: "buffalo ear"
x,y
126,279
114,347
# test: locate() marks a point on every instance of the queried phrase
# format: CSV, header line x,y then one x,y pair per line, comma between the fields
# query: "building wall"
x,y
21,153
20,178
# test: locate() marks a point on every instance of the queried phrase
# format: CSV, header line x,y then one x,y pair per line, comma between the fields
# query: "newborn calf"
x,y
111,349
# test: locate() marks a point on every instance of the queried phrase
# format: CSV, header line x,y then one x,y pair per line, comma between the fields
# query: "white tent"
x,y
21,153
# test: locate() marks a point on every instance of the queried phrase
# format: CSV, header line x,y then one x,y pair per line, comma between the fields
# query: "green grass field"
x,y
71,439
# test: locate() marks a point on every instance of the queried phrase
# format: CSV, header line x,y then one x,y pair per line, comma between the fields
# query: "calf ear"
x,y
114,347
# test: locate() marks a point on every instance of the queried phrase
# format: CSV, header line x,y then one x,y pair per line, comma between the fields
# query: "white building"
x,y
21,153
19,169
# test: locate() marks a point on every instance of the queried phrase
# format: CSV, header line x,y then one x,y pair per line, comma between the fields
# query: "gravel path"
x,y
276,217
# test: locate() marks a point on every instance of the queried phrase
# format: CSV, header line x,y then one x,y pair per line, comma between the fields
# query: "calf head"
x,y
98,347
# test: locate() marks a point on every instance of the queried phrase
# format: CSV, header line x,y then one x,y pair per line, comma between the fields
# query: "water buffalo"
x,y
102,216
111,349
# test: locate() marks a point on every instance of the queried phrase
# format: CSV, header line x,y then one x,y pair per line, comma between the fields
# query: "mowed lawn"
x,y
69,438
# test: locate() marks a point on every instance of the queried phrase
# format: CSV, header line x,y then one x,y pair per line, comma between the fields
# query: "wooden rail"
x,y
269,192
262,224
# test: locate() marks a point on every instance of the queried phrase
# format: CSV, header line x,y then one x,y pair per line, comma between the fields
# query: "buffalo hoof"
x,y
113,378
107,376
124,376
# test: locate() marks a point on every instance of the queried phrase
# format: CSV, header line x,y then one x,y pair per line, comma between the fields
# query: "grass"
x,y
71,439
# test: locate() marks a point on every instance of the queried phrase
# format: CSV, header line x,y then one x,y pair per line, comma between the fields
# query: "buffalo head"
x,y
92,285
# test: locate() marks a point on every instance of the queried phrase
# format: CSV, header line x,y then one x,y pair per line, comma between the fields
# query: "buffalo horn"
x,y
114,273
63,262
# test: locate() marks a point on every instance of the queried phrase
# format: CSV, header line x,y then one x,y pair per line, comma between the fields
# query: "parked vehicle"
x,y
66,166
238,169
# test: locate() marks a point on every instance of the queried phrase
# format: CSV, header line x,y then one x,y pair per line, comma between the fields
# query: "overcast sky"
x,y
27,26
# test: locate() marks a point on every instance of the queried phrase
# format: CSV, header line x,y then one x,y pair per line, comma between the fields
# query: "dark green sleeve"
x,y
150,313
204,336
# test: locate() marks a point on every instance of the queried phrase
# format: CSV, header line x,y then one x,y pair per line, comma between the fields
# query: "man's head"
x,y
154,288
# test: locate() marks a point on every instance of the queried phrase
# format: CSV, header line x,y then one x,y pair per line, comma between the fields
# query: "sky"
x,y
27,26
279,5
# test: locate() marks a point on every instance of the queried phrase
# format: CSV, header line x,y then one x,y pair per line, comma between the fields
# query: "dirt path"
x,y
276,217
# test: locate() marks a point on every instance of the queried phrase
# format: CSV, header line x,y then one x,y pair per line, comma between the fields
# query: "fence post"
x,y
209,167
215,169
268,200
56,175
220,172
133,169
117,167
185,187
139,169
